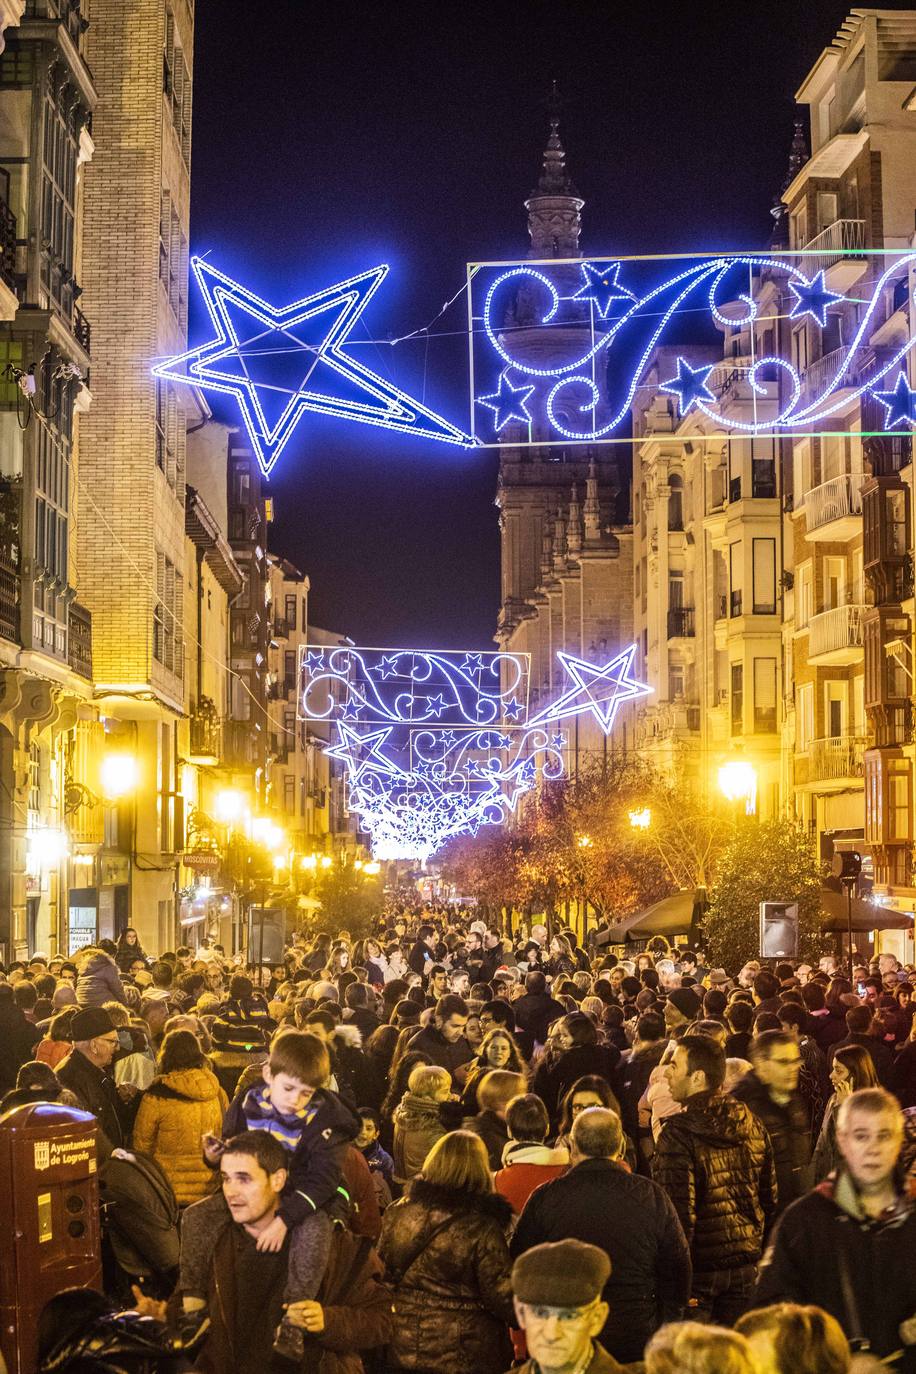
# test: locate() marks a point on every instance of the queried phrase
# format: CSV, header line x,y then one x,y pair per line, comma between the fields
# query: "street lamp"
x,y
373,867
119,775
230,805
738,782
584,841
640,820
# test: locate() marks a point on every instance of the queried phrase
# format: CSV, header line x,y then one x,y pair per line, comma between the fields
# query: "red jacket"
x,y
526,1167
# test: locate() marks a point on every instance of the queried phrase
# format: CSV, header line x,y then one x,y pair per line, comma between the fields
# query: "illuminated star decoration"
x,y
602,287
508,402
689,386
899,402
813,298
361,752
279,362
598,690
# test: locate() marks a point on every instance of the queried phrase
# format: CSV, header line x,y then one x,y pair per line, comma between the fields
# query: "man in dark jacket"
x,y
352,1310
858,1032
443,1040
628,1217
715,1162
848,1246
18,1036
632,1077
537,1009
423,952
771,1092
85,1073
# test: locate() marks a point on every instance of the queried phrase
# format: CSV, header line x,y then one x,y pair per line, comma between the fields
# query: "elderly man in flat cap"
x,y
557,1291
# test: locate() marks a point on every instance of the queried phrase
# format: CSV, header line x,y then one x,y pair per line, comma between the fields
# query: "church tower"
x,y
566,565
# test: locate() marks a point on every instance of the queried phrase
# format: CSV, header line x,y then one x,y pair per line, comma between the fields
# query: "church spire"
x,y
574,536
591,511
798,156
554,207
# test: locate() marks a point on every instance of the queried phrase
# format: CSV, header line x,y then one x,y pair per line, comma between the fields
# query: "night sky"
x,y
328,138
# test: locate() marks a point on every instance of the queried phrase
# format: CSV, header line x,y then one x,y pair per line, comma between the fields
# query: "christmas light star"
x,y
602,287
689,386
279,362
899,402
361,752
508,402
598,690
813,298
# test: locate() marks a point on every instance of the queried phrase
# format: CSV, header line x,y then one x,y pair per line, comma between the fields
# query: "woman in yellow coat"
x,y
183,1102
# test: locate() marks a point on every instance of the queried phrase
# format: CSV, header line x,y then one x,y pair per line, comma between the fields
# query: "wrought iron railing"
x,y
833,500
836,629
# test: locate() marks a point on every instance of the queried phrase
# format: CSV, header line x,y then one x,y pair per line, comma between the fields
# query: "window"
x,y
801,472
898,799
675,589
804,716
289,671
804,596
800,348
737,698
290,613
676,681
58,195
176,87
764,555
834,583
735,577
765,695
289,794
675,502
895,512
168,647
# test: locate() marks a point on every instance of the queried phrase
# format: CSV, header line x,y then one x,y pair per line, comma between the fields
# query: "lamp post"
x,y
738,782
583,842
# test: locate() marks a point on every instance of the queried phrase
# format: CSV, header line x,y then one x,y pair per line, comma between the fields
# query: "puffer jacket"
x,y
175,1111
715,1162
453,1294
790,1135
99,981
418,1125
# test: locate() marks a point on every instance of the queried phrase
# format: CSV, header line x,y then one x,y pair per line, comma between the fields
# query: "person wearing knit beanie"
x,y
681,1008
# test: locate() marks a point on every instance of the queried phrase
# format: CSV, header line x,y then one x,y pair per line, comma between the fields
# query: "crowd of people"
x,y
447,1148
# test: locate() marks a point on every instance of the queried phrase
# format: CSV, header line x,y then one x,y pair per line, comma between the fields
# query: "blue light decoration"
x,y
597,690
439,743
508,402
899,402
431,740
279,362
581,335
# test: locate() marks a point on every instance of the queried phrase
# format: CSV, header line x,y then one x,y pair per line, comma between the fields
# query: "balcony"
x,y
833,511
681,623
835,636
79,645
838,252
81,330
9,602
833,763
205,739
820,373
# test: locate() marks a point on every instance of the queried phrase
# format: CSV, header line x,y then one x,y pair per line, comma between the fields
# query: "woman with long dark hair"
x,y
853,1068
498,1050
581,1054
129,950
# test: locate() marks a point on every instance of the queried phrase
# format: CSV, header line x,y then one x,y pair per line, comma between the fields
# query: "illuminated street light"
x,y
308,861
584,841
372,868
264,831
46,848
230,806
325,861
738,782
640,820
119,774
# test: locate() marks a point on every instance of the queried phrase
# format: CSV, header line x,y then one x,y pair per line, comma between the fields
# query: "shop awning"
x,y
671,916
865,915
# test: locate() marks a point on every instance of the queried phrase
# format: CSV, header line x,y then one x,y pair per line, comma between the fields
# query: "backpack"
x,y
140,1215
237,1036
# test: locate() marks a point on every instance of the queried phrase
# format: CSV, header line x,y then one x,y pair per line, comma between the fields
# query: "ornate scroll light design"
x,y
603,333
434,742
279,362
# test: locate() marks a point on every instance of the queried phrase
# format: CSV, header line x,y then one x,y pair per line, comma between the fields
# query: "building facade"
x,y
565,553
48,723
850,534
